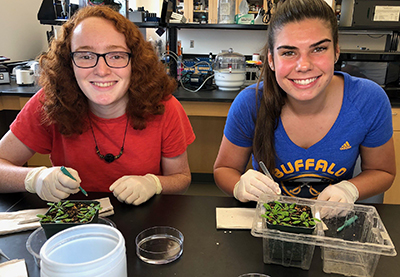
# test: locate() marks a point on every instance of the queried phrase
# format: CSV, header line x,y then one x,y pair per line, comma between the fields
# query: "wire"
x,y
171,54
177,59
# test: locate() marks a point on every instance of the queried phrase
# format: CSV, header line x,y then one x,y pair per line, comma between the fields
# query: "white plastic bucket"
x,y
86,250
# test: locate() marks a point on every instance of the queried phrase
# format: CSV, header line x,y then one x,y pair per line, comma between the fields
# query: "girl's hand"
x,y
252,184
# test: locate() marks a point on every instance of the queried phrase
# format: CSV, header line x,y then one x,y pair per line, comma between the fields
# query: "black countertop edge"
x,y
181,94
214,95
15,90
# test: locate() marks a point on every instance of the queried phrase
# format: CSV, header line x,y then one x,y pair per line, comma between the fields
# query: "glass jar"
x,y
230,70
230,61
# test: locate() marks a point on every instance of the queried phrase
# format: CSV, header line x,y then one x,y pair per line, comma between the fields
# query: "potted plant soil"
x,y
291,218
68,213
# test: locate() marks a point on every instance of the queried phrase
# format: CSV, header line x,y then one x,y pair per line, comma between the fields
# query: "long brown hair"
x,y
273,96
65,104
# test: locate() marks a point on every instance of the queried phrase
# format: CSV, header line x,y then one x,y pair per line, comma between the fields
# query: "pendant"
x,y
109,158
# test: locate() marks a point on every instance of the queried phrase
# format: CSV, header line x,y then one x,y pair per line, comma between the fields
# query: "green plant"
x,y
278,213
68,212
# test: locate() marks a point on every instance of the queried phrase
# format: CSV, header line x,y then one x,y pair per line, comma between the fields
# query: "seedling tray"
x,y
52,228
286,226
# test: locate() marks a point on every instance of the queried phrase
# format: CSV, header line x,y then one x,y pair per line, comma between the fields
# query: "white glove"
x,y
344,192
136,189
252,184
51,184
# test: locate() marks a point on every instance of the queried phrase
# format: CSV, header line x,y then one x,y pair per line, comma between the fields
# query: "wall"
x,y
245,42
153,6
22,36
206,41
248,42
26,37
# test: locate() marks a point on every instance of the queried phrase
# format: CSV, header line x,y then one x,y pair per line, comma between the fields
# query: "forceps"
x,y
4,255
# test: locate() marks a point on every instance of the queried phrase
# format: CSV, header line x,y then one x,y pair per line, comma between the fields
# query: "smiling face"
x,y
105,87
304,58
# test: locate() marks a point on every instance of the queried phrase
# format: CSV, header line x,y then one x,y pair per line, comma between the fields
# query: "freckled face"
x,y
304,58
105,87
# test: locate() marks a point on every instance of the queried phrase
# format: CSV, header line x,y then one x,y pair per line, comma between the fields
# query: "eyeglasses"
x,y
85,59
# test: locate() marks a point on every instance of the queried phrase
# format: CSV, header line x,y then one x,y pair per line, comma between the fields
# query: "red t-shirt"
x,y
167,135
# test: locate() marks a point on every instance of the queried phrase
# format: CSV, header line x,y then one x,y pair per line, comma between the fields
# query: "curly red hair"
x,y
65,104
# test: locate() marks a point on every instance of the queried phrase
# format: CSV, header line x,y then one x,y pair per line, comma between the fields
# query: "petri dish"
x,y
159,245
36,240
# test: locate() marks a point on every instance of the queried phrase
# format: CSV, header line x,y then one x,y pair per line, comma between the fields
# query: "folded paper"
x,y
234,218
14,268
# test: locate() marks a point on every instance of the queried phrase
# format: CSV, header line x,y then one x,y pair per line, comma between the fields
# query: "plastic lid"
x,y
229,59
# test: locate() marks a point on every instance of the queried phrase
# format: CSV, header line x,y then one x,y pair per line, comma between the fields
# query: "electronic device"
x,y
196,79
4,75
197,73
363,13
383,69
138,15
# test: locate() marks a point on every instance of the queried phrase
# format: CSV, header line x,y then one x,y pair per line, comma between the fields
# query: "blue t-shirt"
x,y
365,119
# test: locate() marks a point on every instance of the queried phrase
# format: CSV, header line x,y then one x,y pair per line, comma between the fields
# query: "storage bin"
x,y
354,251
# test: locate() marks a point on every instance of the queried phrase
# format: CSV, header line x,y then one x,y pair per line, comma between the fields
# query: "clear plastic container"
x,y
229,60
226,11
353,251
230,70
159,245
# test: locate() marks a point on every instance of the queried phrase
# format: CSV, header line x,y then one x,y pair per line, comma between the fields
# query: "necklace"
x,y
109,158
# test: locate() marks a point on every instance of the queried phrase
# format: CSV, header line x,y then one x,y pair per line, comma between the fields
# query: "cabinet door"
x,y
213,11
392,195
188,10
